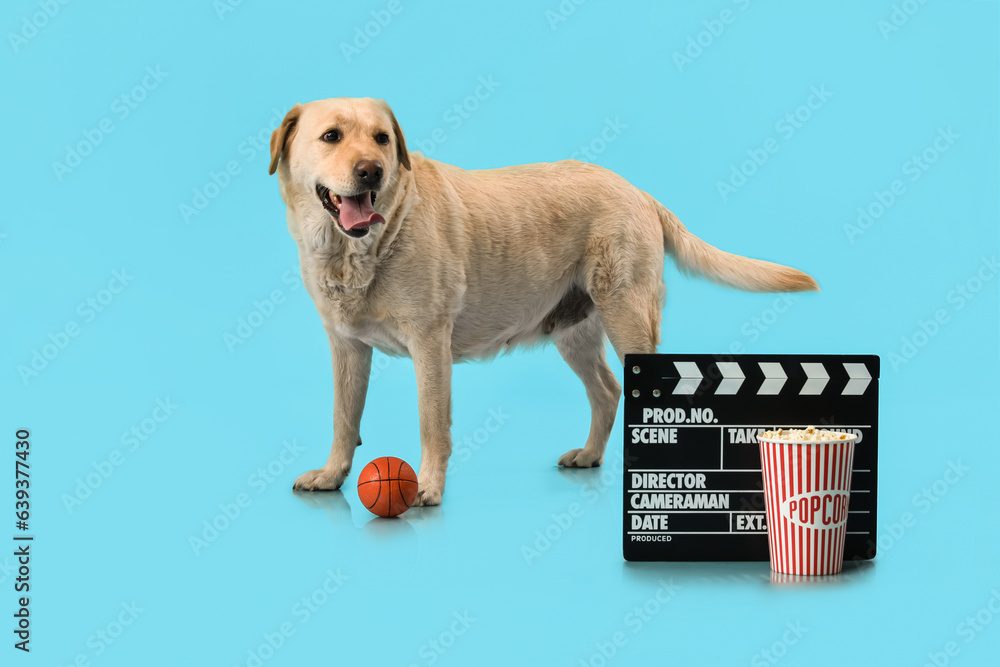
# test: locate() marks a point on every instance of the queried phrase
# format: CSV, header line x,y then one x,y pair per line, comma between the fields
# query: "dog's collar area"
x,y
331,201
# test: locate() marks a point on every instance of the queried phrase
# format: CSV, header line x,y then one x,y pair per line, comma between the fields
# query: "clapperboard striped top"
x,y
808,378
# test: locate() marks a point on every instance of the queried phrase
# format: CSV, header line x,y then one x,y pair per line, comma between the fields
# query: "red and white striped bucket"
x,y
807,488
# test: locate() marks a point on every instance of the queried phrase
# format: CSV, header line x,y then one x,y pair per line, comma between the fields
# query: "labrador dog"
x,y
423,259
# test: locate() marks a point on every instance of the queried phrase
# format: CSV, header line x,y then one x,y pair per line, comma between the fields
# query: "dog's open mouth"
x,y
354,214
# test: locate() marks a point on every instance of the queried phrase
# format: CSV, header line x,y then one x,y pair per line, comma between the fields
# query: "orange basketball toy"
x,y
387,486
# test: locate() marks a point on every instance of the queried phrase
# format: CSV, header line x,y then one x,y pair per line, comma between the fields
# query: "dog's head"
x,y
337,157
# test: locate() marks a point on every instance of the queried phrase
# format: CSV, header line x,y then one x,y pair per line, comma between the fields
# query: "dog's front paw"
x,y
321,479
581,458
430,486
427,497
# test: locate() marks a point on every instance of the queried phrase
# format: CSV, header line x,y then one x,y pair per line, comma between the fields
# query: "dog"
x,y
423,259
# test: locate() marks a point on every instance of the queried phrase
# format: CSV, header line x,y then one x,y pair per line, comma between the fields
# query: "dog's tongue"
x,y
357,211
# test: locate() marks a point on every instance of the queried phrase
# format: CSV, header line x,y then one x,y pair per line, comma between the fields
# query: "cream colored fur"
x,y
471,263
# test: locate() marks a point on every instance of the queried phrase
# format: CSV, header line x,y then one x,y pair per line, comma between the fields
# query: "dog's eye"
x,y
332,136
382,138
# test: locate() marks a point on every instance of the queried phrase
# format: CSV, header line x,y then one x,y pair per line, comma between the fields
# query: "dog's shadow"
x,y
370,543
580,475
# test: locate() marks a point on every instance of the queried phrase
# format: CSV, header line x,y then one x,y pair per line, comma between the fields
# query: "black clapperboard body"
x,y
693,483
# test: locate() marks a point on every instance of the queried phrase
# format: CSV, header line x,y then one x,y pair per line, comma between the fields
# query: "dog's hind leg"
x,y
628,290
582,346
632,320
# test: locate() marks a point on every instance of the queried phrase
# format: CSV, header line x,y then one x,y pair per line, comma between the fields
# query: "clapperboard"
x,y
693,484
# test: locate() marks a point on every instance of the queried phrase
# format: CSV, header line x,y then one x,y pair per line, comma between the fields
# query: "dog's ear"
x,y
401,152
281,136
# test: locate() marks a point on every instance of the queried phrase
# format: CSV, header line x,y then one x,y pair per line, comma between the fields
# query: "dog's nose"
x,y
368,172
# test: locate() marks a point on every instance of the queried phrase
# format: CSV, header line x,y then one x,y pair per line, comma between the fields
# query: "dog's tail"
x,y
753,275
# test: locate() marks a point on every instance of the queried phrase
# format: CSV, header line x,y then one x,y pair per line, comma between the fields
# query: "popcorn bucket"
x,y
807,489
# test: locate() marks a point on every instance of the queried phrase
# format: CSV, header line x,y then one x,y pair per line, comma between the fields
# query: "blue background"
x,y
227,75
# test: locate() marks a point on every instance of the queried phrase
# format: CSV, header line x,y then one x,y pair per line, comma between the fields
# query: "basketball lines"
x,y
397,501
